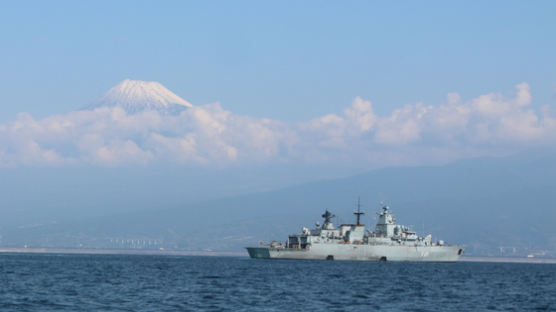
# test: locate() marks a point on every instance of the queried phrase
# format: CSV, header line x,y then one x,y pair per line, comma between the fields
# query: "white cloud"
x,y
523,97
488,119
403,126
212,136
335,131
180,149
361,115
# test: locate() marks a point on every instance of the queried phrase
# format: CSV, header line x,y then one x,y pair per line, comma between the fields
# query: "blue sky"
x,y
283,93
358,84
291,61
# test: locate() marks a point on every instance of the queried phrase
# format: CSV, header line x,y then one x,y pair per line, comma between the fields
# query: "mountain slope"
x,y
136,95
497,207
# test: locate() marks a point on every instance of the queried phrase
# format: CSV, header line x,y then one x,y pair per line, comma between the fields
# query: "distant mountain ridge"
x,y
495,206
137,96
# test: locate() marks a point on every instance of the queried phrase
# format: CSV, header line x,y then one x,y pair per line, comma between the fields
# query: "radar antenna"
x,y
359,213
384,206
327,216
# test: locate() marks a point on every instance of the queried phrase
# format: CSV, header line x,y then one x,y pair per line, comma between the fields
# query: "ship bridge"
x,y
386,223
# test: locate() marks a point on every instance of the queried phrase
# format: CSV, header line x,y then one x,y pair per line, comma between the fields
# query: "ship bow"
x,y
258,252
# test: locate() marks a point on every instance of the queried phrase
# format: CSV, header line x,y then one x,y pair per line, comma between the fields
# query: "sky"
x,y
283,60
282,92
361,84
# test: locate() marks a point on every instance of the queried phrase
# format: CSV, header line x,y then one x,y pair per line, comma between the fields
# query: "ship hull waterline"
x,y
348,252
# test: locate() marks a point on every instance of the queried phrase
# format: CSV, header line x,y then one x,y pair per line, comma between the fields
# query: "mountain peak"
x,y
137,95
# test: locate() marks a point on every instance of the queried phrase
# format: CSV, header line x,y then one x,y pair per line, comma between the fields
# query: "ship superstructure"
x,y
388,242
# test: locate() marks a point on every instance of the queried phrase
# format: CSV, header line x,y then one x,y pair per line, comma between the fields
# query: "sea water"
x,y
59,282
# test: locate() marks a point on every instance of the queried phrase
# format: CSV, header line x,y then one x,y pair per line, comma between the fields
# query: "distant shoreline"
x,y
219,254
507,260
123,252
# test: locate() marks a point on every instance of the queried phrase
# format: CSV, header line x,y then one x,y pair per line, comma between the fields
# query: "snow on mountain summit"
x,y
136,95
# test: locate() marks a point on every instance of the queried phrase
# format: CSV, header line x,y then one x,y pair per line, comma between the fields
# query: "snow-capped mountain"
x,y
136,96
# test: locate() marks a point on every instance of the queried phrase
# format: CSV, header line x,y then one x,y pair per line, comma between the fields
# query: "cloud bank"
x,y
211,136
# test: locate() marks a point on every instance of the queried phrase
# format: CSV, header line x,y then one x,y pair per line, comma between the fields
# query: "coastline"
x,y
507,260
79,251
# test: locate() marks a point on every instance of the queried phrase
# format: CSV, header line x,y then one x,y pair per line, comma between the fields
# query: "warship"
x,y
388,242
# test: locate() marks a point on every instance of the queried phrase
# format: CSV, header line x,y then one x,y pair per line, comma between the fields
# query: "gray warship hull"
x,y
388,242
361,253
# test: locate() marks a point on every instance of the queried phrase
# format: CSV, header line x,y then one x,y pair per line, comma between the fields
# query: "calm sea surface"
x,y
56,282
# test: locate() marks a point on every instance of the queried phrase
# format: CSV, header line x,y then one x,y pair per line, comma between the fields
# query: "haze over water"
x,y
201,126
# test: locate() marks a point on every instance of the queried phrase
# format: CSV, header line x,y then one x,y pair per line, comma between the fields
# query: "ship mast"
x,y
358,213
